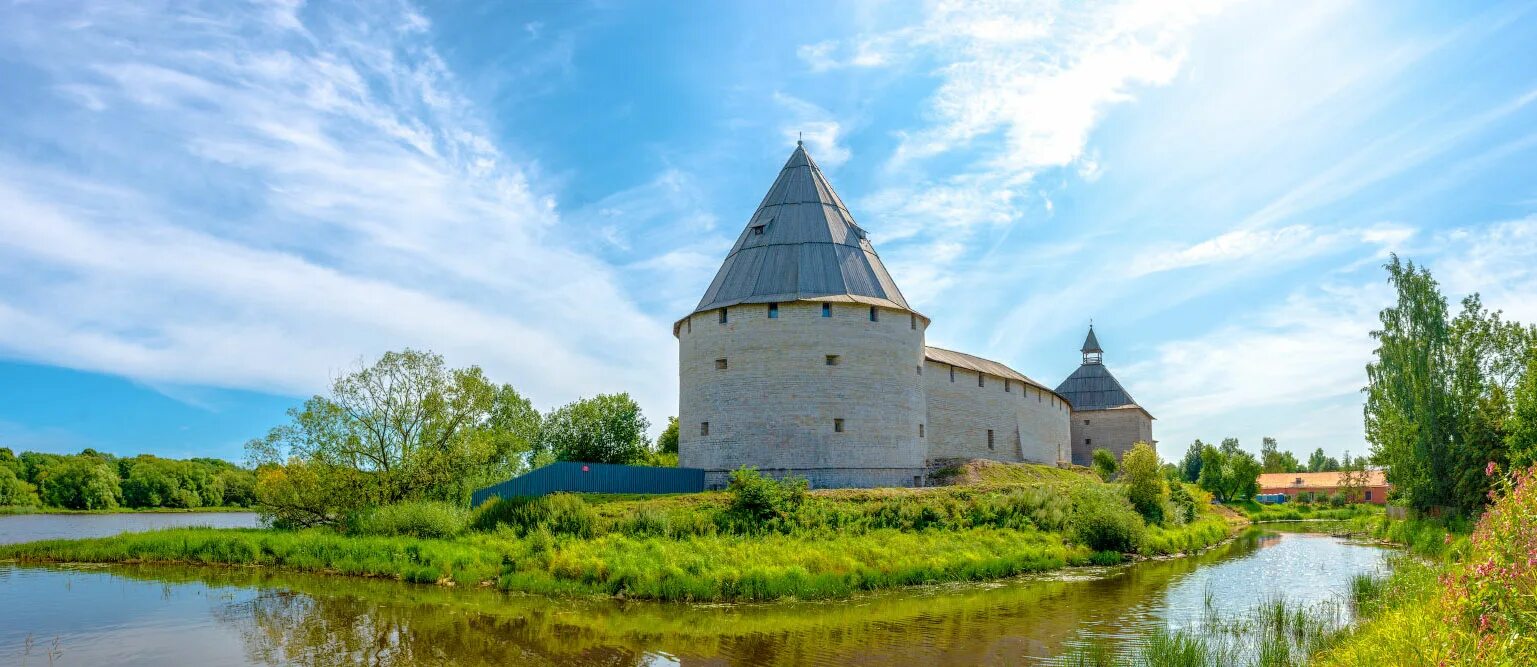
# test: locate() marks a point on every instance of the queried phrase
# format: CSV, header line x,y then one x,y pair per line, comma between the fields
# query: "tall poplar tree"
x,y
1438,398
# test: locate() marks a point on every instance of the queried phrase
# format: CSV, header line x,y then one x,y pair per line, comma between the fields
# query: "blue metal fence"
x,y
579,477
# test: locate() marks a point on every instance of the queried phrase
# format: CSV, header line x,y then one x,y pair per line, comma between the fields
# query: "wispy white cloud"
x,y
1296,369
321,192
816,126
1021,88
1495,260
1276,246
867,51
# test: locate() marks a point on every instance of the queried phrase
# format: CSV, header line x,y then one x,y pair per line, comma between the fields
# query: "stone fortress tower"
x,y
803,357
1104,414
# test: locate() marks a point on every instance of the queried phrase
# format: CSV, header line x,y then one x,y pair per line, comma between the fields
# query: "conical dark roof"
x,y
801,243
1092,387
1091,344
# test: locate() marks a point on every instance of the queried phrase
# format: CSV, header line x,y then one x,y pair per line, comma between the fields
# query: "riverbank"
x,y
1008,520
1259,513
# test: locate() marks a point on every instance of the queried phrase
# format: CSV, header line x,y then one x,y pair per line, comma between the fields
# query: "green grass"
x,y
1259,513
691,547
723,567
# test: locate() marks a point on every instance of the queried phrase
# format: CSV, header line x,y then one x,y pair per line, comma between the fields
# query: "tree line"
x,y
1232,474
92,480
1450,399
409,428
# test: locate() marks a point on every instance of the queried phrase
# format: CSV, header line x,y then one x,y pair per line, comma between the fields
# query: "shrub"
x,y
428,519
1103,463
1144,487
1305,497
1105,521
558,513
1181,504
758,500
1336,500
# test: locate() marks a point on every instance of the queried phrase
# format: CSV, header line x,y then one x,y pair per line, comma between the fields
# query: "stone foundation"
x,y
833,478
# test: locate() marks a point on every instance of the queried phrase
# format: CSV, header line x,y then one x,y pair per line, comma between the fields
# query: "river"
x,y
33,527
160,615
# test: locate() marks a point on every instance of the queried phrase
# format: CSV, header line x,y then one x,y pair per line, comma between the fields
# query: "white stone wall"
x,y
1115,430
1028,423
774,404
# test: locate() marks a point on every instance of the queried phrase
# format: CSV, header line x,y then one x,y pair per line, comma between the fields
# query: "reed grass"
x,y
1274,633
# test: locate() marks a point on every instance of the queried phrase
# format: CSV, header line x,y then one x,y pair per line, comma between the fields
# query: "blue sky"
x,y
209,209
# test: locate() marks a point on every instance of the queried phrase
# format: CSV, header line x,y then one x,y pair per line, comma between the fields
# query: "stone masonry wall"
x,y
1028,424
1115,430
774,404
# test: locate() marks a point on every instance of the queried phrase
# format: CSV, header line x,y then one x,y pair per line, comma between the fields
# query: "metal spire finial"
x,y
800,138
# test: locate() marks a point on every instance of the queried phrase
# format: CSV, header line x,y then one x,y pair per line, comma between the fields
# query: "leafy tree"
x,y
33,463
1317,461
149,481
607,428
80,482
1182,504
15,490
1213,473
1242,476
406,427
1229,474
1270,455
1170,473
1487,360
1272,459
1353,478
1190,466
1408,415
1144,487
1521,428
1331,464
1103,464
303,493
239,487
667,442
96,480
1229,446
1438,398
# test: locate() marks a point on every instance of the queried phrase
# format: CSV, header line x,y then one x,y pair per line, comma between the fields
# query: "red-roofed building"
x,y
1323,483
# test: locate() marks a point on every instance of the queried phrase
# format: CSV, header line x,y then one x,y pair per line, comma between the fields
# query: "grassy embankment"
x,y
1007,520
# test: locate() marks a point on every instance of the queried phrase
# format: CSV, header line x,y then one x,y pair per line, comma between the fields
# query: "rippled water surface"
x,y
143,615
32,527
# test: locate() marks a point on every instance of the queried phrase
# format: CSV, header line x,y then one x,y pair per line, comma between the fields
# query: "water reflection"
x,y
275,619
